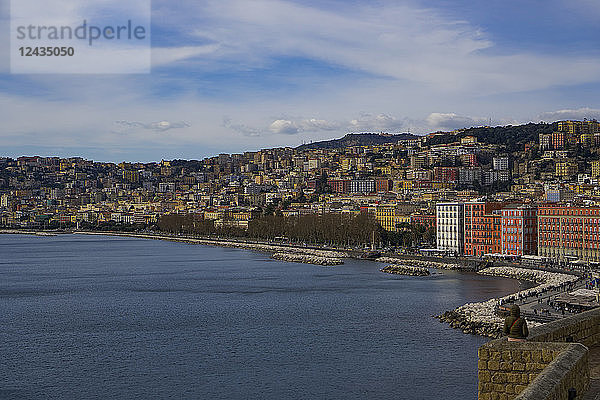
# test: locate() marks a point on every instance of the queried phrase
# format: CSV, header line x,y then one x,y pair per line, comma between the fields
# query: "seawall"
x,y
552,365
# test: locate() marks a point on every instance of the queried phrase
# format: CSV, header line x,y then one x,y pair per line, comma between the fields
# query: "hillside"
x,y
357,139
512,136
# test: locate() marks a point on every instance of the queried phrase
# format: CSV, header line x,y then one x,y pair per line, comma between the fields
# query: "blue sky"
x,y
233,76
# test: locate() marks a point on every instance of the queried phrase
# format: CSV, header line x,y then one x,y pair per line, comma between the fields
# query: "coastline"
x,y
480,318
408,259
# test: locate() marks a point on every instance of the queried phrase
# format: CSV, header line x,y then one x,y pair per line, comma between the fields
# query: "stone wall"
x,y
543,368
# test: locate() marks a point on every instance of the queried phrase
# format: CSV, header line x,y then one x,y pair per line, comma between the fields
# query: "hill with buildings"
x,y
358,139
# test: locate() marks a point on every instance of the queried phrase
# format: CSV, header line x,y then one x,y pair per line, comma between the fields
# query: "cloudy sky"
x,y
232,76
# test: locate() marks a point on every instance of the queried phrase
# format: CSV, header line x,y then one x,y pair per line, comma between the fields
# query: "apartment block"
x,y
569,232
482,228
450,227
519,230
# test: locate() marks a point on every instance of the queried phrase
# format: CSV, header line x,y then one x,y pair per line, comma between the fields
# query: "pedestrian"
x,y
515,327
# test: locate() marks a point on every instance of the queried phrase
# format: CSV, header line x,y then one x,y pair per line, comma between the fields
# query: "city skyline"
x,y
227,78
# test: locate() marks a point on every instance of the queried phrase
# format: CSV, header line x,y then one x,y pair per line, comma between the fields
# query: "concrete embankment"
x,y
307,259
481,319
405,270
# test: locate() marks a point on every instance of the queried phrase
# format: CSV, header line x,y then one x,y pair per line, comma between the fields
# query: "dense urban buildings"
x,y
507,191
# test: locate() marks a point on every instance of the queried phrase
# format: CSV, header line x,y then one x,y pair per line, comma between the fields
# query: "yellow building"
x,y
596,169
131,176
566,168
389,218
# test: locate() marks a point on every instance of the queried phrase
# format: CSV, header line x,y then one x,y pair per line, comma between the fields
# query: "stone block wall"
x,y
582,328
543,368
569,370
507,368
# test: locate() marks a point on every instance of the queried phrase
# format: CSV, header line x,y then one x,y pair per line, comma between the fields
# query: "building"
x,y
500,163
545,141
566,169
558,194
482,228
558,140
427,220
362,186
519,230
390,218
569,232
450,227
596,169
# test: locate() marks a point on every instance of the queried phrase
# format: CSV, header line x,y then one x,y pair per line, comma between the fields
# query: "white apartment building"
x,y
450,220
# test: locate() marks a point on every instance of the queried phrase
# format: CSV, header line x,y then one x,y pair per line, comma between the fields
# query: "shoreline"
x,y
408,259
480,318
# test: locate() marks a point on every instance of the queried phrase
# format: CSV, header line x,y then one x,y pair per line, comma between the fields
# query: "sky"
x,y
229,76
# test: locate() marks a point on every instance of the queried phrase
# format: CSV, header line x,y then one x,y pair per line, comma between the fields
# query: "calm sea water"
x,y
88,317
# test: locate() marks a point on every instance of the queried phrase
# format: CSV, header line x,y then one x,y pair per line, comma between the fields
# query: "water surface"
x,y
109,317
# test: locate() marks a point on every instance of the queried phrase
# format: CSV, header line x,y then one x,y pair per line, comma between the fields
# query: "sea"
x,y
105,317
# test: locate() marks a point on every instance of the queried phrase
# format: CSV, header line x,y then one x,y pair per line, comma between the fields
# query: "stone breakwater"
x,y
481,319
307,259
421,263
405,270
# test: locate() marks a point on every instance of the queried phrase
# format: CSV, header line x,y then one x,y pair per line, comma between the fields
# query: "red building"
x,y
383,185
519,230
568,233
558,140
445,174
339,185
483,232
427,220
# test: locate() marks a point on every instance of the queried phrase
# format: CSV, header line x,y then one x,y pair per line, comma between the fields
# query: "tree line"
x,y
330,229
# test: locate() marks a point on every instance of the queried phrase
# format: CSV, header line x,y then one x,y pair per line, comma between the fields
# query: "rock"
x,y
405,270
421,263
307,259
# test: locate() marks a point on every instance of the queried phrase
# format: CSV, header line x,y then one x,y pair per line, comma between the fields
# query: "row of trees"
x,y
330,229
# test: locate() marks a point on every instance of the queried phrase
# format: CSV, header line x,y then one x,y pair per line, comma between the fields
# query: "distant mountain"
x,y
358,139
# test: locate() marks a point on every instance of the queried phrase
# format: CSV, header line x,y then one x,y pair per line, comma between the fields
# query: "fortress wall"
x,y
543,368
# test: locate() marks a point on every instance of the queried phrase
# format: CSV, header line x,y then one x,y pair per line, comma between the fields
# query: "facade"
x,y
389,218
519,230
450,227
558,140
362,186
500,163
566,169
596,169
568,233
483,232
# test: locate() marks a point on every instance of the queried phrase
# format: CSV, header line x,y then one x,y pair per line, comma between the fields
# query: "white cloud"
x,y
577,114
241,128
451,121
316,125
168,55
282,126
378,123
